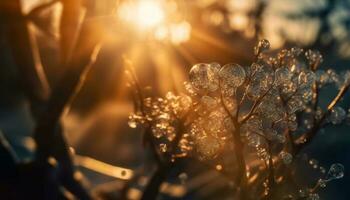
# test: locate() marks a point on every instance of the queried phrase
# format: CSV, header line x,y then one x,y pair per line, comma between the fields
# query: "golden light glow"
x,y
155,19
238,21
177,32
142,13
180,32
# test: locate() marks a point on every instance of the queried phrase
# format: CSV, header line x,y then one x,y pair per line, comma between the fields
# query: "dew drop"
x,y
282,75
313,196
322,183
336,171
262,46
232,75
286,157
132,122
203,77
338,114
313,163
303,193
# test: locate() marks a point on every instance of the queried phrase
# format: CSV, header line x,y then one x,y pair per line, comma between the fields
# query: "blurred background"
x,y
162,39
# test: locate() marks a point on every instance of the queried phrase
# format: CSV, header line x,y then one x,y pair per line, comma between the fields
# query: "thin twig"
x,y
288,133
307,138
8,155
256,103
48,134
240,178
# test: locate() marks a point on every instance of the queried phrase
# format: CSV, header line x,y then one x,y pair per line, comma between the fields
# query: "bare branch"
x,y
307,138
25,53
240,178
256,103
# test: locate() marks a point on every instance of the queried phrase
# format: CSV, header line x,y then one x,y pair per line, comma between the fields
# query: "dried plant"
x,y
263,115
51,170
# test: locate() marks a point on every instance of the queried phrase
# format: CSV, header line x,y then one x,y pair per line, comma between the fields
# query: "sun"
x,y
149,13
142,13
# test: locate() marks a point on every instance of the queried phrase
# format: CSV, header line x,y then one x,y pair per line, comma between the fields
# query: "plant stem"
x,y
153,187
25,53
48,133
240,178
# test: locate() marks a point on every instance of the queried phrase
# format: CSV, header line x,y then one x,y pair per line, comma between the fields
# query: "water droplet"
x,y
295,104
215,67
132,124
261,81
313,163
281,138
208,101
296,51
262,46
338,114
282,75
271,134
207,147
322,183
303,192
336,171
292,125
232,75
314,58
254,140
204,78
348,117
286,157
313,196
134,120
322,170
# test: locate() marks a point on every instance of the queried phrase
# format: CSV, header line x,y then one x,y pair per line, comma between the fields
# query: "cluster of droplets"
x,y
332,77
211,127
266,104
336,171
337,115
162,116
282,87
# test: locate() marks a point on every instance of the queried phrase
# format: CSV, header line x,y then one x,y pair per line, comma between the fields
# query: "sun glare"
x,y
142,13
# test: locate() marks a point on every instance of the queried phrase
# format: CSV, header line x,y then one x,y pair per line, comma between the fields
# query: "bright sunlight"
x,y
143,14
